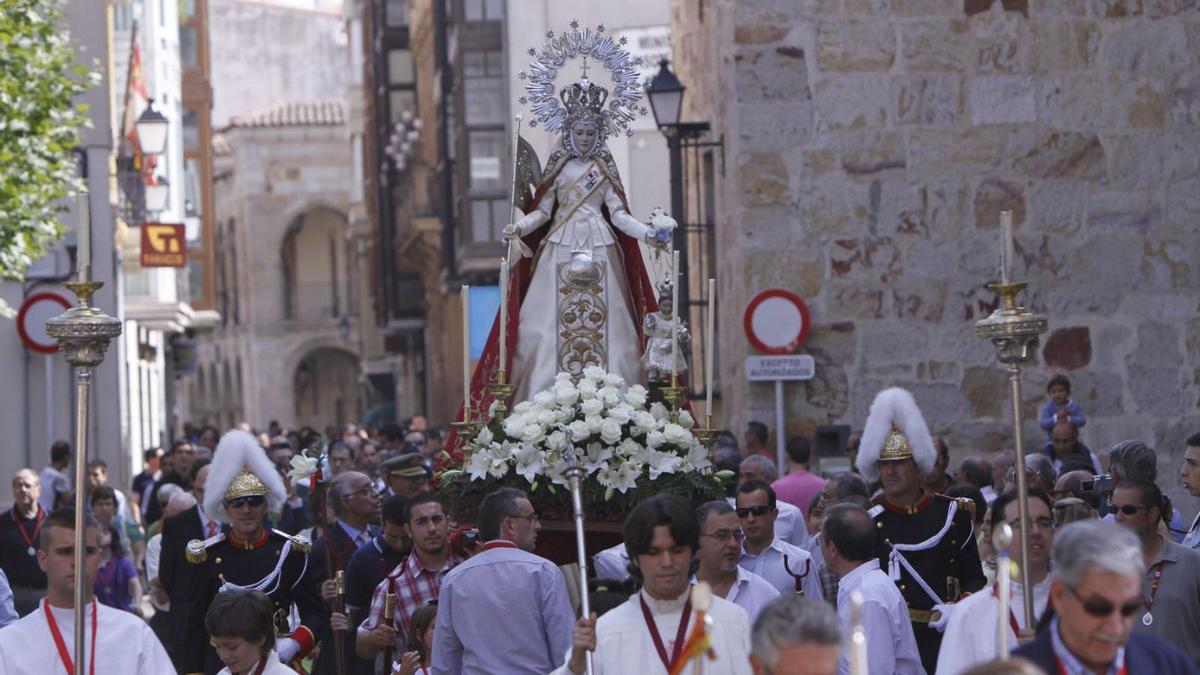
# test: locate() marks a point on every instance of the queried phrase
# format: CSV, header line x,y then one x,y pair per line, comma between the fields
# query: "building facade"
x,y
870,150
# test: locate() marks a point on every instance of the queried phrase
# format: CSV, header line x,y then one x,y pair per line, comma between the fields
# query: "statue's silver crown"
x,y
584,99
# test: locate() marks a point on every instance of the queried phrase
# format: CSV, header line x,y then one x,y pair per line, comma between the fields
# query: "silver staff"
x,y
574,476
1001,541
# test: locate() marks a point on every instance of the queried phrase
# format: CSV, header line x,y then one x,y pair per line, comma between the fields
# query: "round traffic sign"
x,y
776,321
31,320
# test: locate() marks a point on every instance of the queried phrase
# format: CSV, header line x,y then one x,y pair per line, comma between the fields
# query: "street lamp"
x,y
151,130
666,96
158,191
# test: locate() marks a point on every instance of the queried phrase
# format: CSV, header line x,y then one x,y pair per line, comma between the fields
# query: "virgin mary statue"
x,y
580,290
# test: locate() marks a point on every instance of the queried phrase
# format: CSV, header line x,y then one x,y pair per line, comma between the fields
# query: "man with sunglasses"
x,y
1096,590
720,546
925,541
1171,580
242,486
788,568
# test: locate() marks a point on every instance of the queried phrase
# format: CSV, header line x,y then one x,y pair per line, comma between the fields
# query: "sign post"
x,y
31,326
776,322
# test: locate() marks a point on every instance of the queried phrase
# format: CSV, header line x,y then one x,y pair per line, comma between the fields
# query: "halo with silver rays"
x,y
599,46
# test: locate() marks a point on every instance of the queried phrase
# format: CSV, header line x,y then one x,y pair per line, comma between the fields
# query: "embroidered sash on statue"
x,y
583,187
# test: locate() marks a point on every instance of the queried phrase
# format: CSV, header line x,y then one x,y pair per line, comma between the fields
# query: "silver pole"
x,y
1001,541
1014,378
574,476
83,388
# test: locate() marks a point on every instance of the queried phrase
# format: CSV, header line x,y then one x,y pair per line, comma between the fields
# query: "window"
x,y
483,88
191,188
483,10
488,218
486,150
397,13
187,47
399,101
191,132
400,66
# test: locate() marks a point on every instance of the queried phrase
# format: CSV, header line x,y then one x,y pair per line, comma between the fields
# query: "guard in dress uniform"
x,y
926,542
242,486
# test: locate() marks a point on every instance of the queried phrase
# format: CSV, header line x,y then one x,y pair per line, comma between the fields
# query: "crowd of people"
x,y
216,560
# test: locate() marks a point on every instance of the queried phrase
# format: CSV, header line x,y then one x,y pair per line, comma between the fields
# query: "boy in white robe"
x,y
119,642
662,536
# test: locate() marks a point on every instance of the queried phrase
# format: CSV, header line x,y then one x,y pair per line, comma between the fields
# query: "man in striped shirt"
x,y
414,582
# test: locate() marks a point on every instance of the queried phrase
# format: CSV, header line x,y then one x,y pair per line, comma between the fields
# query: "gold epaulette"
x,y
299,542
197,549
968,504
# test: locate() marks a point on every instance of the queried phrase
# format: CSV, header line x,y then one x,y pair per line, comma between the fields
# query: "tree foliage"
x,y
39,127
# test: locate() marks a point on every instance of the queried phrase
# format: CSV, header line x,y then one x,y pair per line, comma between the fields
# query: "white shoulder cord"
x,y
271,579
896,558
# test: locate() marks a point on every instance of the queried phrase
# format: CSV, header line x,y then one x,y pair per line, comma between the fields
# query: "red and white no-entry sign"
x,y
31,320
776,321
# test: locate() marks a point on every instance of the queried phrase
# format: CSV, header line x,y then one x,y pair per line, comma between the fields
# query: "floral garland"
x,y
612,431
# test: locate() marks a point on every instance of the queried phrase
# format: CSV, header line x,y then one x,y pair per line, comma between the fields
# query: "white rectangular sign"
x,y
789,368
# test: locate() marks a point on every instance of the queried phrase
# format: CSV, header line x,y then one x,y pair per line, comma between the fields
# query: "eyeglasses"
x,y
1040,523
251,500
365,490
745,511
1127,509
722,535
531,518
1099,607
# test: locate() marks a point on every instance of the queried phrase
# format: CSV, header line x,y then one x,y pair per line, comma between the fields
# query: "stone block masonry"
x,y
871,146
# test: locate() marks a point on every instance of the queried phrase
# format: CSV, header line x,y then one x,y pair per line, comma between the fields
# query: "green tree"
x,y
39,127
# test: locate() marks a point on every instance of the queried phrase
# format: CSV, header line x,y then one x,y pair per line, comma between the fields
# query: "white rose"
x,y
484,437
630,448
686,420
644,421
562,377
544,398
514,426
636,396
610,431
610,395
566,395
655,439
591,406
659,411
594,373
621,413
522,408
547,418
593,423
587,389
533,433
557,440
675,434
614,380
579,430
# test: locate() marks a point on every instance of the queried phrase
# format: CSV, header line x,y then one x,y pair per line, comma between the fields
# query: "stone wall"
x,y
869,148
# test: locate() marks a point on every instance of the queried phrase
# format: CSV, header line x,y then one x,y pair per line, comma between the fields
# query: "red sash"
x,y
677,651
62,647
1012,618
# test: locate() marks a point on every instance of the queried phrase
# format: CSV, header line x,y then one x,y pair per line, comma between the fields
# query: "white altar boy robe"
x,y
125,645
624,645
971,635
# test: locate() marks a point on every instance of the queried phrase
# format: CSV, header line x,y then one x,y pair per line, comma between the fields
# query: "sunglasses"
x,y
252,500
745,511
1099,607
1127,509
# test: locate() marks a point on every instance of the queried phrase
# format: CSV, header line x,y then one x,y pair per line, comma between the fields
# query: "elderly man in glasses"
x,y
242,487
720,545
789,569
1096,589
1171,572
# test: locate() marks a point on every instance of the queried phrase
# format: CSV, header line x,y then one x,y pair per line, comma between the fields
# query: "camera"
x,y
470,538
1101,483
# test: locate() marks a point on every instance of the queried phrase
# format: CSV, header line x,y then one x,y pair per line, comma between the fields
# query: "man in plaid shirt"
x,y
414,582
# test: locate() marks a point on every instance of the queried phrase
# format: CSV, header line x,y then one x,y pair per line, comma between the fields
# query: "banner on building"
x,y
163,245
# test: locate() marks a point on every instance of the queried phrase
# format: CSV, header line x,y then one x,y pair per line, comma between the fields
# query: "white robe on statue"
x,y
971,633
540,353
124,644
624,645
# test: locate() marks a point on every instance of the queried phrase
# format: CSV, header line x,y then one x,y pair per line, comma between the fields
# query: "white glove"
x,y
510,231
940,624
287,649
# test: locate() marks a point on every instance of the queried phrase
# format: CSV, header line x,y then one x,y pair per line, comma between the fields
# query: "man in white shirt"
x,y
612,563
1189,474
790,523
971,632
118,642
794,636
789,569
647,633
55,485
848,546
720,545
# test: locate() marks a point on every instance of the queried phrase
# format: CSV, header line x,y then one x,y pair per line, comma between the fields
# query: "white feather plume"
x,y
894,406
236,450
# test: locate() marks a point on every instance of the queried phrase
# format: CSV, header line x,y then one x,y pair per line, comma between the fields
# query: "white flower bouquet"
x,y
628,447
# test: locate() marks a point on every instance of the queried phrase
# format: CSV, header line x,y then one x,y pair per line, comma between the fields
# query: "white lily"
x,y
303,467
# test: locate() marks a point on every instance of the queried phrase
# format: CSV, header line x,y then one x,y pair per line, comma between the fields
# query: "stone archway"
x,y
325,388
